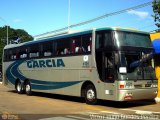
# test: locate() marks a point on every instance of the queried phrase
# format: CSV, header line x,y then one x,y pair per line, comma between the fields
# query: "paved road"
x,y
42,106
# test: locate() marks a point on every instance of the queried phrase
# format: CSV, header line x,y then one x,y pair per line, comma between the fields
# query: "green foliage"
x,y
13,34
156,10
23,35
1,52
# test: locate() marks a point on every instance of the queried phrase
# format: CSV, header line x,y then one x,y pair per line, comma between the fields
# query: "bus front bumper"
x,y
136,94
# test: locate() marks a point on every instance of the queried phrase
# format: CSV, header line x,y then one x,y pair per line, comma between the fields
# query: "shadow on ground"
x,y
115,104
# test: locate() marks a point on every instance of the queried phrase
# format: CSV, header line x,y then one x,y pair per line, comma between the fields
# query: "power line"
x,y
98,18
111,14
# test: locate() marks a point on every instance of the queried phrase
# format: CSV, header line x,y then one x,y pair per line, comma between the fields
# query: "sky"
x,y
41,16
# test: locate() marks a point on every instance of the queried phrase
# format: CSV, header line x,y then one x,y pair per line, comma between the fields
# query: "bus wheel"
x,y
90,95
19,87
28,88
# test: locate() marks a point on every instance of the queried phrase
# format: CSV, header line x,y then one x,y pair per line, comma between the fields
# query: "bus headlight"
x,y
154,85
129,85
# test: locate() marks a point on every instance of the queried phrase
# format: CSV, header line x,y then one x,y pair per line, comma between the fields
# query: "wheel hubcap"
x,y
28,88
90,94
19,87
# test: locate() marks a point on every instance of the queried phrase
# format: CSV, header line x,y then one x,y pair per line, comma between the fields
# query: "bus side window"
x,y
6,55
23,52
99,40
73,46
34,51
14,54
63,47
9,54
47,49
86,43
17,53
76,45
66,51
108,39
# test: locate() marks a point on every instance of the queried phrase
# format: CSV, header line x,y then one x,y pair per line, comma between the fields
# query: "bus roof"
x,y
72,34
122,29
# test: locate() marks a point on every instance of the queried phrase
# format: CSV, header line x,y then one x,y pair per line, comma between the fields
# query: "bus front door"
x,y
109,75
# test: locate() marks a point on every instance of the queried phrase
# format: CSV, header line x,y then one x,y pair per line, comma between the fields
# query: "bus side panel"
x,y
7,80
63,76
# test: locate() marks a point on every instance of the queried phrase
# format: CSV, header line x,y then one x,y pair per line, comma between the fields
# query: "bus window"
x,y
47,49
78,47
6,55
99,40
34,51
132,39
107,39
9,54
109,67
63,47
86,43
17,53
105,66
103,39
23,52
80,44
73,46
12,54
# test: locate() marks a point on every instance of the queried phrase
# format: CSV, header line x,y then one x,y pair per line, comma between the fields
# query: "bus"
x,y
105,63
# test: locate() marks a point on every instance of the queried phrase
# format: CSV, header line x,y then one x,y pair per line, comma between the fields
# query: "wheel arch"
x,y
26,80
17,80
84,85
22,81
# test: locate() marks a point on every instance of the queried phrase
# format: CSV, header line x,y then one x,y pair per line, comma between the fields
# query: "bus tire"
x,y
19,87
90,95
28,89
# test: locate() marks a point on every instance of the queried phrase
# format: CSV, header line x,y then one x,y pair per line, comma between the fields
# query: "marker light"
x,y
121,86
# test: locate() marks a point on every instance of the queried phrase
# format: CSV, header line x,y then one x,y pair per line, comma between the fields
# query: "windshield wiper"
x,y
144,58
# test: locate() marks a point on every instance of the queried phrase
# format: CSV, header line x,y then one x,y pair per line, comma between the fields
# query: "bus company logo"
x,y
9,117
45,63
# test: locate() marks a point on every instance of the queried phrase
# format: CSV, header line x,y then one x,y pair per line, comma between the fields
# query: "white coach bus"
x,y
105,63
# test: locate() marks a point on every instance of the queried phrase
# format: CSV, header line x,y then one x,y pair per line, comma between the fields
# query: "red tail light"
x,y
121,86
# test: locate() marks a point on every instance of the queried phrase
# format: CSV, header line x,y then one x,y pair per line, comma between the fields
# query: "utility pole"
x,y
69,5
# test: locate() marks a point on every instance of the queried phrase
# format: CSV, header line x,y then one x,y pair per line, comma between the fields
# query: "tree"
x,y
13,35
156,10
1,52
23,35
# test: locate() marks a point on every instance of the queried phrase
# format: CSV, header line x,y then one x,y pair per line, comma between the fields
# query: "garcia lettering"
x,y
45,63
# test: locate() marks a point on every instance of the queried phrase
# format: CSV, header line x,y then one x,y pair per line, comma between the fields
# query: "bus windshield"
x,y
138,65
132,39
